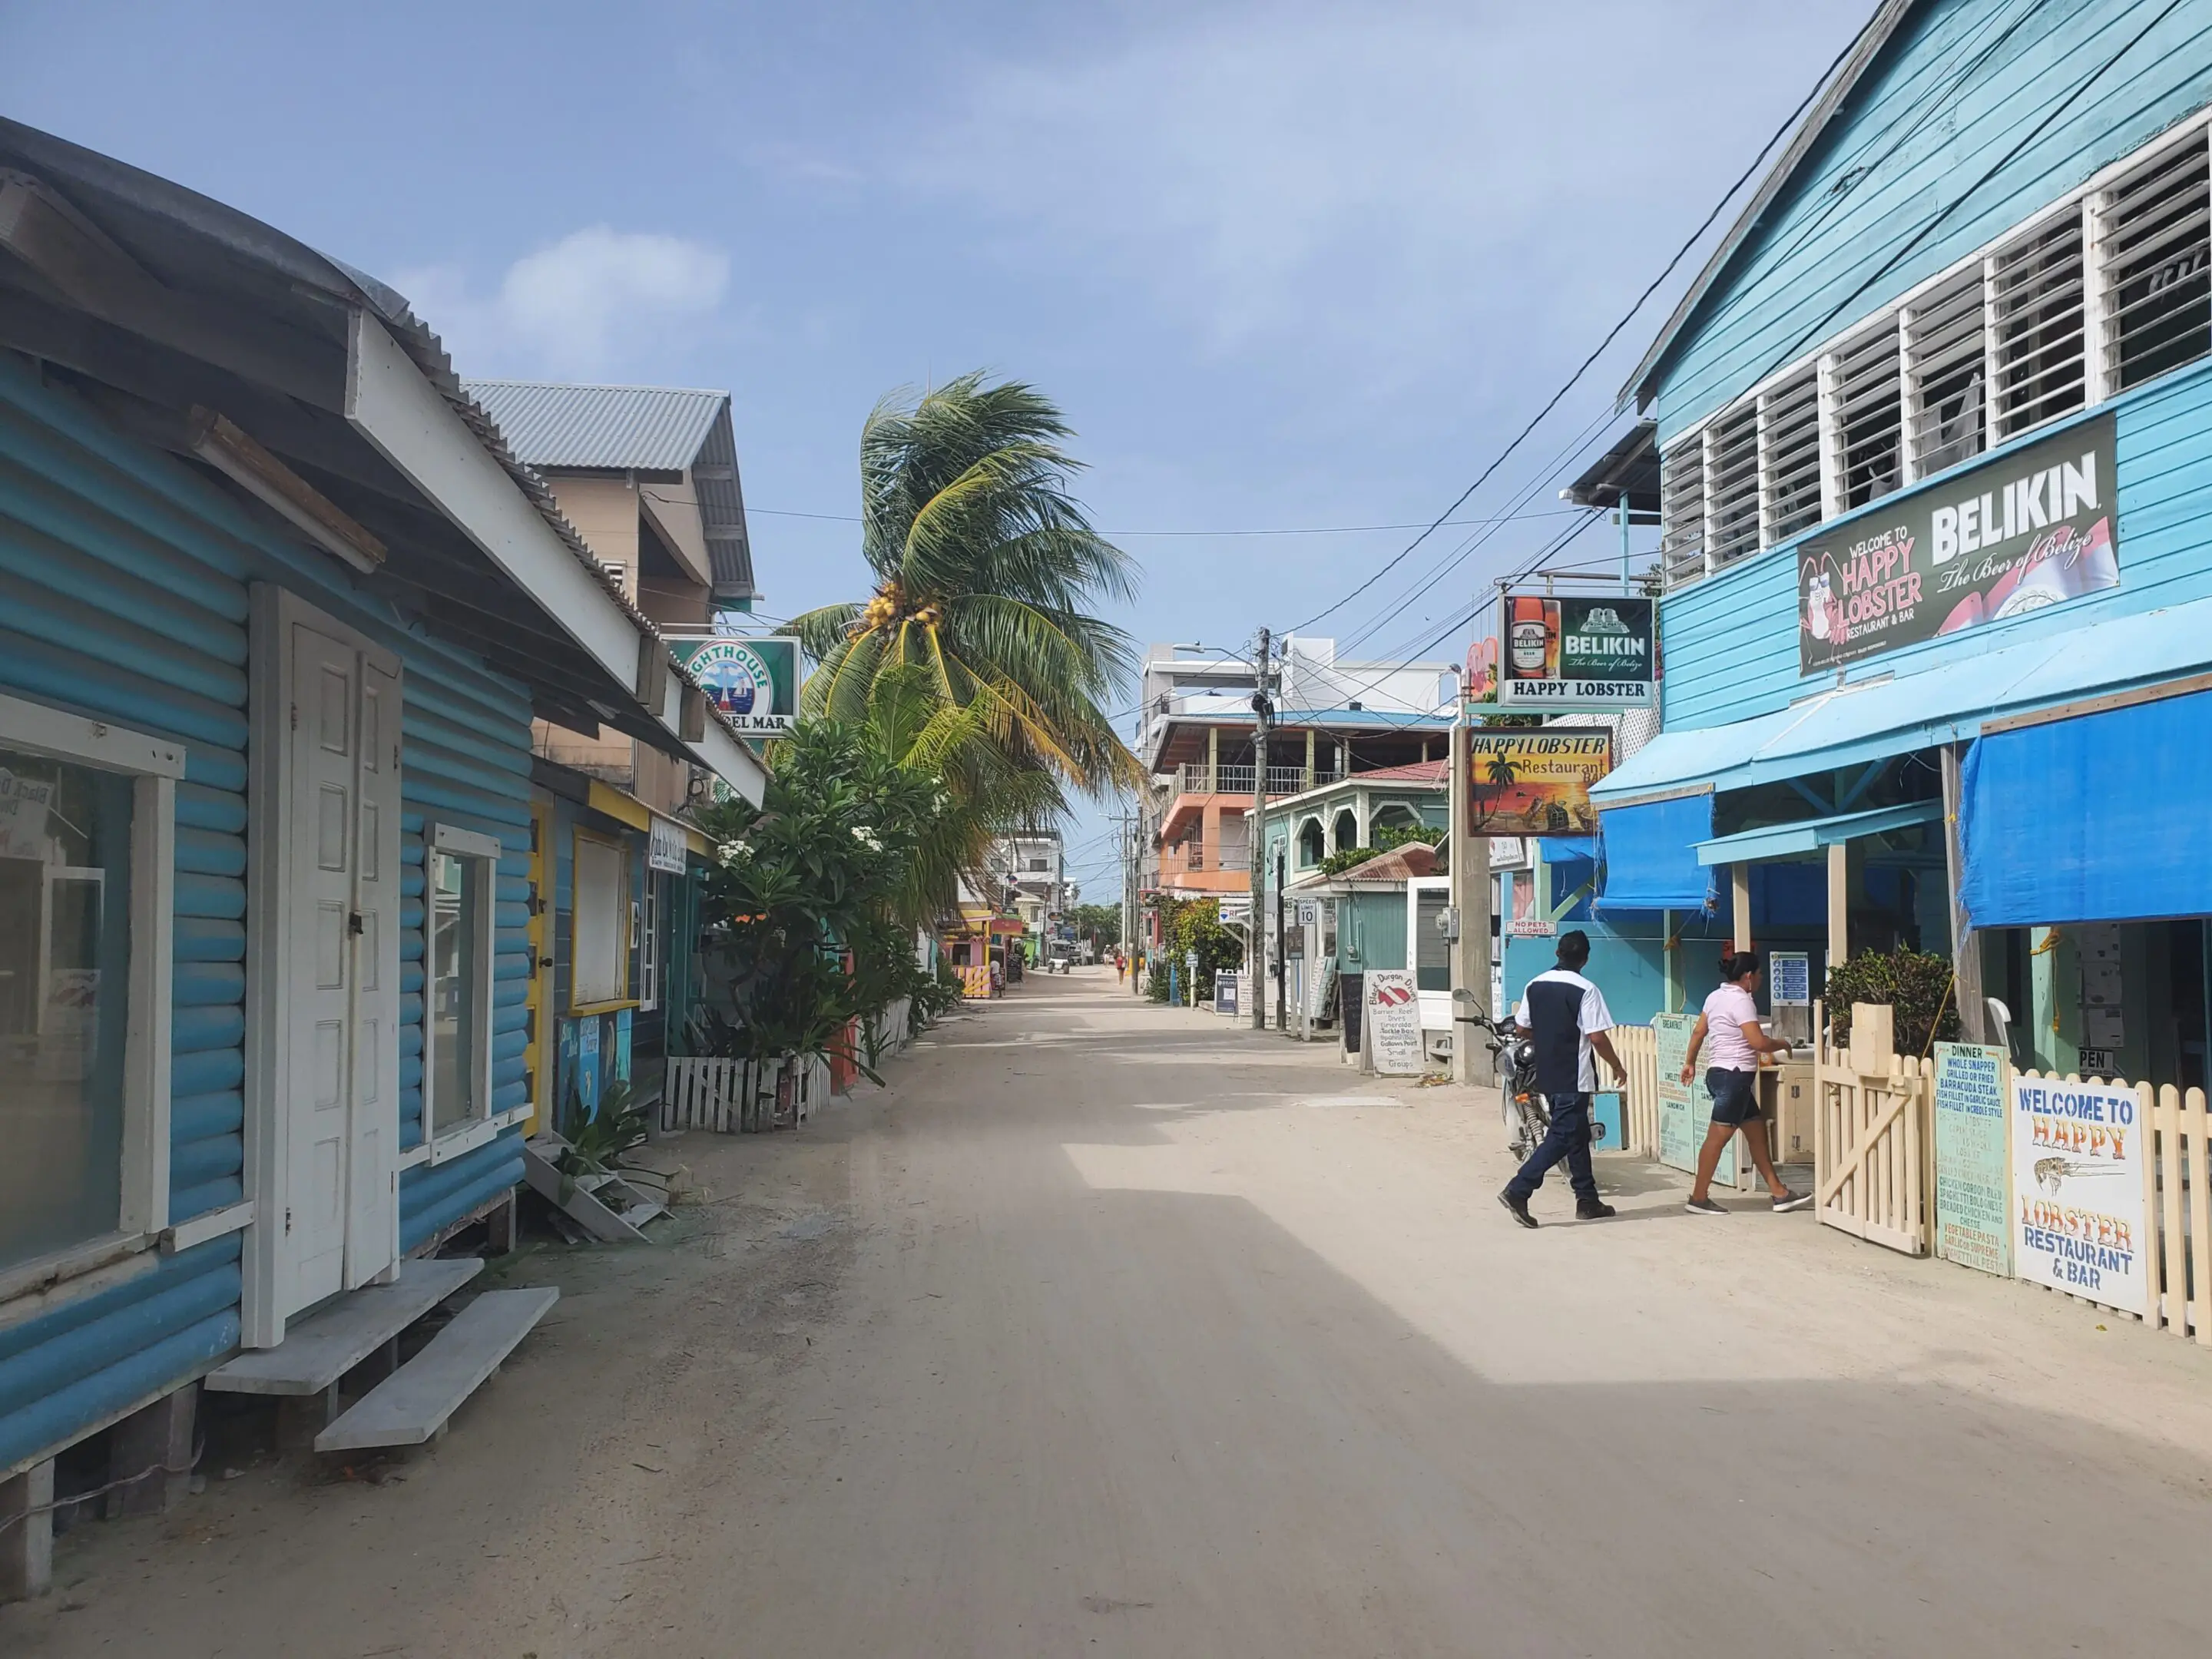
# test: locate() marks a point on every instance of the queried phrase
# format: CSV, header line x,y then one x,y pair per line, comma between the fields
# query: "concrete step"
x,y
323,1347
411,1406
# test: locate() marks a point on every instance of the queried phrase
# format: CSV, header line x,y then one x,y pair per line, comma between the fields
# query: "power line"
x,y
1612,333
1820,329
1309,530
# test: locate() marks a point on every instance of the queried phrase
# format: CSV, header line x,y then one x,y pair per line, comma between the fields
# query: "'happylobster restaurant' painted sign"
x,y
2036,526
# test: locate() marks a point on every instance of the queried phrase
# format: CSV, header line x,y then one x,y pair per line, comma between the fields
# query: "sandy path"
x,y
1093,1336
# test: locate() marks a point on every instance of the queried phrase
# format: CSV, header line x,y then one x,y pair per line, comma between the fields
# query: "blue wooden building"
x,y
276,611
1935,432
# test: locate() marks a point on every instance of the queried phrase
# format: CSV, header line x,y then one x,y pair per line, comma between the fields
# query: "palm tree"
x,y
986,568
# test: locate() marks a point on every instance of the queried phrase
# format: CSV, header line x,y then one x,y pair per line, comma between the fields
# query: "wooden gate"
x,y
1872,1152
1638,1048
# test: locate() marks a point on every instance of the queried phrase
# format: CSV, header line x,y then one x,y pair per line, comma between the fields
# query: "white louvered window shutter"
x,y
1732,485
1945,364
2155,265
2036,314
1682,511
1789,458
1870,415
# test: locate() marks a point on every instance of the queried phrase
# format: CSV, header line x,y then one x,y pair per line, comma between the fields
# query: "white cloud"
x,y
599,303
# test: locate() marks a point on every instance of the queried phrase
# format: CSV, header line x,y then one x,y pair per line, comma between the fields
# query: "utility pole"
x,y
1256,930
1470,899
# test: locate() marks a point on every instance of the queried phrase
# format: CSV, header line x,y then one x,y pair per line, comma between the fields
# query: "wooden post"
x,y
26,1532
1740,897
1966,949
501,1225
1839,903
157,1438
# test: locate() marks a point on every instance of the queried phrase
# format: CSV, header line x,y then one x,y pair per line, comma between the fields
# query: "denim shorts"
x,y
1735,1095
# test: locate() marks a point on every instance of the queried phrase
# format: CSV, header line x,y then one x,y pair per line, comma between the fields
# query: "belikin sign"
x,y
1563,654
754,683
2038,525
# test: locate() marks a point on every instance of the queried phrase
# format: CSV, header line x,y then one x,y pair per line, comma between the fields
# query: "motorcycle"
x,y
1525,1112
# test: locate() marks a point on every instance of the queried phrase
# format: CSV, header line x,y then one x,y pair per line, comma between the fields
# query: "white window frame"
x,y
154,765
482,1124
2085,204
653,916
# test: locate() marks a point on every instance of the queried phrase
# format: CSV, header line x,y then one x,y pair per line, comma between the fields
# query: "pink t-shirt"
x,y
1726,1011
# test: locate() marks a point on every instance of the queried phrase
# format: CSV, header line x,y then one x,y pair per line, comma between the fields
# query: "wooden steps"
x,y
412,1405
323,1347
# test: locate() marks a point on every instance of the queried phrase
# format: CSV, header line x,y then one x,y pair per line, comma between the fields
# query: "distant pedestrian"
x,y
1568,1020
1121,968
1730,1022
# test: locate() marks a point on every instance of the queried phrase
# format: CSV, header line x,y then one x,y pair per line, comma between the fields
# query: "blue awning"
x,y
1566,849
1891,713
2099,818
1782,840
1651,855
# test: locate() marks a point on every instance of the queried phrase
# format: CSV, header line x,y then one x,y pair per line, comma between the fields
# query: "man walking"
x,y
1567,1018
1730,1021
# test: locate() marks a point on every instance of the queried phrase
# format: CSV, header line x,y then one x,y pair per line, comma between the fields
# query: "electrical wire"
x,y
1612,333
1304,530
1822,329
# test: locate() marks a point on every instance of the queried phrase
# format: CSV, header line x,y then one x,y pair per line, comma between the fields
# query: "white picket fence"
x,y
739,1096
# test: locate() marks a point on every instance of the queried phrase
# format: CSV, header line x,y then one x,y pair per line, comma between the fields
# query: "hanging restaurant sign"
x,y
1574,653
2037,525
1533,781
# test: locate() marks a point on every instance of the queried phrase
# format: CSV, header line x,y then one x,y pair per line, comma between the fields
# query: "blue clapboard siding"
x,y
123,579
1951,97
465,761
123,596
1731,640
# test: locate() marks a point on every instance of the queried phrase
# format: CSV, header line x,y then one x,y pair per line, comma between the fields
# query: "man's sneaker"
x,y
1519,1206
1790,1201
1593,1209
1703,1206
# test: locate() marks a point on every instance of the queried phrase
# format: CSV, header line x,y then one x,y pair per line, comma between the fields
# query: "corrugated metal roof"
x,y
551,425
644,428
224,249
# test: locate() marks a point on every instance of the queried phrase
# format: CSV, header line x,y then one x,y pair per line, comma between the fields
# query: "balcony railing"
x,y
1196,778
1189,857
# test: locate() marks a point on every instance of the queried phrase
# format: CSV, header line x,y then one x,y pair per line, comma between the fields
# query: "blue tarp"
x,y
2101,817
1651,855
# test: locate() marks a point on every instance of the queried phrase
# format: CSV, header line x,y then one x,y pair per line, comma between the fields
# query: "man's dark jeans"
x,y
1570,1138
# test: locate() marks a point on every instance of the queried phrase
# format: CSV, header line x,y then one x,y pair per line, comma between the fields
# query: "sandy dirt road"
x,y
1108,1329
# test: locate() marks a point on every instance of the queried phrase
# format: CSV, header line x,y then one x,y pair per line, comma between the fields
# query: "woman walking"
x,y
1730,1020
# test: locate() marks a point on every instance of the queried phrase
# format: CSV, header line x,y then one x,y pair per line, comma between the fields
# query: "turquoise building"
x,y
1934,425
276,613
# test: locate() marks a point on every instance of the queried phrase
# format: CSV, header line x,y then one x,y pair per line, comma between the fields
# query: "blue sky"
x,y
1286,266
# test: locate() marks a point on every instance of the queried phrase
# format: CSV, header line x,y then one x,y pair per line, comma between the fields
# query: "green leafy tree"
x,y
1099,923
1188,925
987,574
814,874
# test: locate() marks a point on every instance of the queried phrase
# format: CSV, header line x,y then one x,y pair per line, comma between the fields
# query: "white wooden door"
x,y
340,955
373,1226
325,794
